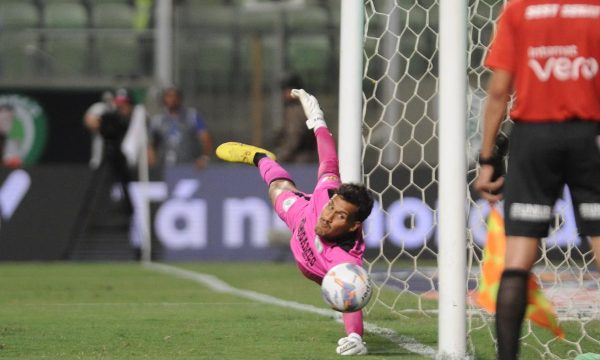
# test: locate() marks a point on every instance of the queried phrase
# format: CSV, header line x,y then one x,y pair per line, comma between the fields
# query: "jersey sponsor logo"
x,y
307,253
580,11
287,203
563,68
589,211
570,11
541,11
530,212
552,50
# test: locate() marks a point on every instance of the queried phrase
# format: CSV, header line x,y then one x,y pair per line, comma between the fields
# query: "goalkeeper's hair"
x,y
358,195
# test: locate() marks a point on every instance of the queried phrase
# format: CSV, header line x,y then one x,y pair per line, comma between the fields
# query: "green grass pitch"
x,y
125,311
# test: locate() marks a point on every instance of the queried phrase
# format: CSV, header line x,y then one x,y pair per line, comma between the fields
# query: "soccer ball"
x,y
346,287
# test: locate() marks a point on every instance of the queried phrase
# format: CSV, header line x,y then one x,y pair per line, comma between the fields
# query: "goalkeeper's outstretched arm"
x,y
328,159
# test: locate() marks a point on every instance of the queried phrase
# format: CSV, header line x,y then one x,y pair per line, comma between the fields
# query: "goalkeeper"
x,y
327,224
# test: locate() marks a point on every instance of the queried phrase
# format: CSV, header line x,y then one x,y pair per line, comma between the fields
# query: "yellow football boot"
x,y
240,153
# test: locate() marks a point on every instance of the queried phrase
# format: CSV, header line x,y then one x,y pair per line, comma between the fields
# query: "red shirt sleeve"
x,y
501,54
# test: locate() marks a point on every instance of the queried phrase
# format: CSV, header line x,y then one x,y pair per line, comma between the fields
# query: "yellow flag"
x,y
539,309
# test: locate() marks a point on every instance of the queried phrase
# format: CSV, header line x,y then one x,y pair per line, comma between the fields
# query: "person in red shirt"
x,y
548,52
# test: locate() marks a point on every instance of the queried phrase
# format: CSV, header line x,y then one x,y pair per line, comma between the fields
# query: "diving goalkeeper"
x,y
327,224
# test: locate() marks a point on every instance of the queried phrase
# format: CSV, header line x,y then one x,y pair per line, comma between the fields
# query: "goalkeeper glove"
x,y
351,345
311,107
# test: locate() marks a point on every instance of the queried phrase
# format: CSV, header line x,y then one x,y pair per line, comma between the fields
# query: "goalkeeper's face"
x,y
337,219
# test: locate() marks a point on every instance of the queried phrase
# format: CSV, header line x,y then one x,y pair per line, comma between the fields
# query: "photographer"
x,y
113,127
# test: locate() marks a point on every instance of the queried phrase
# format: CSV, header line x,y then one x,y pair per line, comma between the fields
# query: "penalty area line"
x,y
219,285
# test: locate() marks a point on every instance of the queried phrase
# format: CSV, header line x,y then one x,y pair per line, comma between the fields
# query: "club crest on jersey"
x,y
287,203
318,244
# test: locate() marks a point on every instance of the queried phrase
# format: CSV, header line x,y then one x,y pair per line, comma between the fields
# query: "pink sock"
x,y
328,159
270,171
353,322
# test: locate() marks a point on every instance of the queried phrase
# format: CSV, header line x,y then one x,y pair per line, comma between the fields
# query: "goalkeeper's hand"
x,y
351,345
311,107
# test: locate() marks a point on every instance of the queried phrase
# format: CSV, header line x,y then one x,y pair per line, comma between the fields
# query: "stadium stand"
x,y
212,16
16,44
67,49
18,54
18,14
333,7
256,22
95,43
268,51
118,54
213,62
310,55
112,15
312,19
116,44
65,14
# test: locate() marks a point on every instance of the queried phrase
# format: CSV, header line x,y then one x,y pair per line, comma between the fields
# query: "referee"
x,y
548,52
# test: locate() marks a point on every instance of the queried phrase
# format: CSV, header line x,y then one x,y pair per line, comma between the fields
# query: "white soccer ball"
x,y
346,287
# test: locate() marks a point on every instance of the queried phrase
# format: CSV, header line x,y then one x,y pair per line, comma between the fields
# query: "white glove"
x,y
351,345
311,107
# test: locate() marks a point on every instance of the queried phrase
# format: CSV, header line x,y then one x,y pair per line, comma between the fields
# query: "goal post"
x,y
452,185
350,90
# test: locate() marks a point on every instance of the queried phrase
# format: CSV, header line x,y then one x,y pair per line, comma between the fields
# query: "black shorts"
x,y
543,157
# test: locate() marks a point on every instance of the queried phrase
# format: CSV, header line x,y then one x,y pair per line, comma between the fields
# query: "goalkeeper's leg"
x,y
240,153
275,176
278,179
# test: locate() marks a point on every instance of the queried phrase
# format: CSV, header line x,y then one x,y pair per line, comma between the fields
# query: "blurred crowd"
x,y
177,133
123,133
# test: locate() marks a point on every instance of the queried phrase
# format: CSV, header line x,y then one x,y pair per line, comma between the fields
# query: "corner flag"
x,y
539,309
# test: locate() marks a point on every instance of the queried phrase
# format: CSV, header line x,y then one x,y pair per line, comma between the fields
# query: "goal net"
x,y
400,161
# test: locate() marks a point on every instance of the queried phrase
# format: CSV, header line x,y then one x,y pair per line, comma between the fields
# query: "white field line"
x,y
219,285
137,304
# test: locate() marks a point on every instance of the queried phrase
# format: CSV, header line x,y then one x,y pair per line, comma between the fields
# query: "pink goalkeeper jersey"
x,y
300,212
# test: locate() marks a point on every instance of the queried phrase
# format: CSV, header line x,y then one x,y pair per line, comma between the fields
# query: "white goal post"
x,y
350,90
452,185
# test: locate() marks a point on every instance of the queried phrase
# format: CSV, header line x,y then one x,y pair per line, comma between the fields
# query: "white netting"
x,y
400,166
